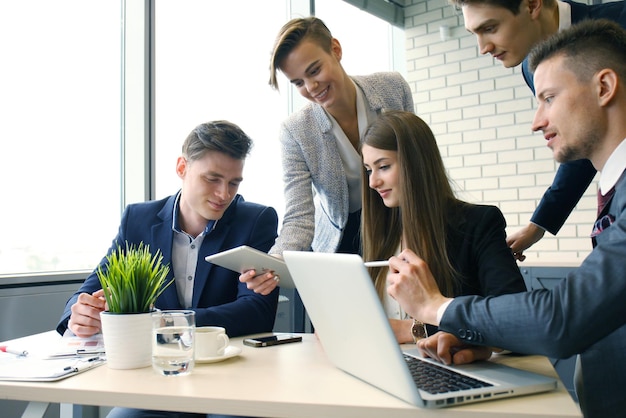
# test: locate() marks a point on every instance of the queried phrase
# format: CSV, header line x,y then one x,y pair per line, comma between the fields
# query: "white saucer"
x,y
230,351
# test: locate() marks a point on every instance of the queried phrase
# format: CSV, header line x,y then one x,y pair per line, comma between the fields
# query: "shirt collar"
x,y
565,15
210,226
613,168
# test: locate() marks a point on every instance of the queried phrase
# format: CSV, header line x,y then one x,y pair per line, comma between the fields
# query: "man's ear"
x,y
534,7
181,166
607,81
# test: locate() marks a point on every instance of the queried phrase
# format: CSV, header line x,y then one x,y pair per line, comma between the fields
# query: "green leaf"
x,y
133,278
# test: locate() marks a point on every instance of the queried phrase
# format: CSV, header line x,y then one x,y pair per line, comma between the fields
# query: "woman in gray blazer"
x,y
321,165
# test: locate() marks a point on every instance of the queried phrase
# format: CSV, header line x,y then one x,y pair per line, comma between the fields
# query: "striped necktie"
x,y
604,200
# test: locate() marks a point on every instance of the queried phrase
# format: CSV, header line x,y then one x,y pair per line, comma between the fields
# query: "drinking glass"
x,y
173,342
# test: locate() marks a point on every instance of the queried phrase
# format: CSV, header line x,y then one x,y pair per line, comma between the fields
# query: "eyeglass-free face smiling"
x,y
381,167
316,74
210,184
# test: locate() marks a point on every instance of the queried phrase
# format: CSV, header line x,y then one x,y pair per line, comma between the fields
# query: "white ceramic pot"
x,y
127,339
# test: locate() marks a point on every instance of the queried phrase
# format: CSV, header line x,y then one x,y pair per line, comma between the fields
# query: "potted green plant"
x,y
132,279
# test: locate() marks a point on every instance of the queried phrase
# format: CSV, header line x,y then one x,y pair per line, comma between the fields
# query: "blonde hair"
x,y
290,36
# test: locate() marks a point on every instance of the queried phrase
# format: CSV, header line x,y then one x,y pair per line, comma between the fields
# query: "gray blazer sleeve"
x,y
299,138
312,167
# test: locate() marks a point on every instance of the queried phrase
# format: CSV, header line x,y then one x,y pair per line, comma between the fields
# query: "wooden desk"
x,y
293,380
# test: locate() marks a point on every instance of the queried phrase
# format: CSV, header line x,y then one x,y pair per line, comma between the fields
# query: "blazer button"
x,y
469,335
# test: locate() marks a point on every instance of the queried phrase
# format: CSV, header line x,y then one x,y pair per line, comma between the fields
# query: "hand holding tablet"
x,y
244,258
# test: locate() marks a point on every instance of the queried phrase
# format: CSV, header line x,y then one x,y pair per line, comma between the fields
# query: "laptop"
x,y
351,324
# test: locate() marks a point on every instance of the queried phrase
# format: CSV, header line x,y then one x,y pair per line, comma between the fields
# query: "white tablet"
x,y
244,258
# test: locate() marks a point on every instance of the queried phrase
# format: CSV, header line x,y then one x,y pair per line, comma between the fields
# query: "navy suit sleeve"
x,y
243,311
571,181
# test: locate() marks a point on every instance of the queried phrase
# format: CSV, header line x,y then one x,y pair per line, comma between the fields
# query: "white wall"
x,y
481,114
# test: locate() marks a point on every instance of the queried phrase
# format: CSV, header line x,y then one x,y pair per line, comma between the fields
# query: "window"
x,y
61,101
60,130
367,41
212,62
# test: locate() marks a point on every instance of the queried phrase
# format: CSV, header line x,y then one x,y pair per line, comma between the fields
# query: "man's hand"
x,y
262,283
524,239
85,318
448,349
412,284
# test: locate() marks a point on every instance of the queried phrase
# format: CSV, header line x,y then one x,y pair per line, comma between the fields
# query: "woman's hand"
x,y
402,330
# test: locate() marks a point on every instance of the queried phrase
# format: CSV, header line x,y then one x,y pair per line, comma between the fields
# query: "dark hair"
x,y
514,6
290,36
588,47
427,199
221,136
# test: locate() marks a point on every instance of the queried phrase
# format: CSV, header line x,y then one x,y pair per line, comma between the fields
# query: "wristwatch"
x,y
418,330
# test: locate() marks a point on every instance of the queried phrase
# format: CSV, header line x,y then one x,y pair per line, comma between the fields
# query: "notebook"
x,y
345,310
45,370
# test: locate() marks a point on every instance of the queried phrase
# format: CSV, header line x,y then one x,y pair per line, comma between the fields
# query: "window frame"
x,y
137,139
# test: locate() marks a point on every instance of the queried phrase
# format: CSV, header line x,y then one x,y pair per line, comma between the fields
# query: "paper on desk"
x,y
19,368
70,345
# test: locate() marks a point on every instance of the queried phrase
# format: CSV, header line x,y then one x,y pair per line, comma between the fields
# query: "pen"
x,y
13,350
83,352
382,263
82,364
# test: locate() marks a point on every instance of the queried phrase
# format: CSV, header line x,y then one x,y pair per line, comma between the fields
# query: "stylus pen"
x,y
382,263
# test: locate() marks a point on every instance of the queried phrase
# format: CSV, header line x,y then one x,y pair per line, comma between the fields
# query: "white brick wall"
x,y
481,114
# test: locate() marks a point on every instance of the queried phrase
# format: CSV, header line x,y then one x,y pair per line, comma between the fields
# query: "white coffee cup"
x,y
210,342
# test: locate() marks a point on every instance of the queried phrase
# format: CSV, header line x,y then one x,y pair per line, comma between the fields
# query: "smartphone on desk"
x,y
275,339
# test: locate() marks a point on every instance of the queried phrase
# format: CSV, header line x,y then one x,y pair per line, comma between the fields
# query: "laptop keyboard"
x,y
435,379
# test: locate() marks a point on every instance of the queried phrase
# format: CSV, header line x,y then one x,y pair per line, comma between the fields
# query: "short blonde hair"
x,y
290,36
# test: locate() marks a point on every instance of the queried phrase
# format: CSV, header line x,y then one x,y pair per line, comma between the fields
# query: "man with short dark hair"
x,y
581,90
508,29
205,217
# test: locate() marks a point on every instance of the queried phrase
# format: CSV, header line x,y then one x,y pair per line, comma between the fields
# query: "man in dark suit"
x,y
581,91
205,217
508,29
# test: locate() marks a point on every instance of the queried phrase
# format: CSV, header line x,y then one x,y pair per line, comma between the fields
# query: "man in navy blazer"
x,y
581,91
508,29
205,217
